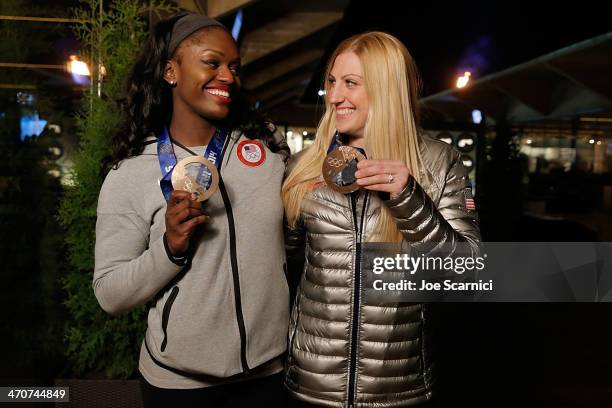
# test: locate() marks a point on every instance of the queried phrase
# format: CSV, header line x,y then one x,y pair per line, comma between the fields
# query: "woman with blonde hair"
x,y
407,189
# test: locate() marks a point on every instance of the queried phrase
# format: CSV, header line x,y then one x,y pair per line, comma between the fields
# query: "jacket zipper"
x,y
423,357
234,265
166,316
356,297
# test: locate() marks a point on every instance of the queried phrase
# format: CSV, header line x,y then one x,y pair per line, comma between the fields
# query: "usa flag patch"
x,y
251,153
469,199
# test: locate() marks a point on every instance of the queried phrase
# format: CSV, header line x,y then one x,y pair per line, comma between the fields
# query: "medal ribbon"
x,y
336,142
167,159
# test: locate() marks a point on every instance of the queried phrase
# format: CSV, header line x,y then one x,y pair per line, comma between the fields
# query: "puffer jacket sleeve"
x,y
295,242
295,246
422,223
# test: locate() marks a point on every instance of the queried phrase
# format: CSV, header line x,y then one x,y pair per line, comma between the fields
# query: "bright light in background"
x,y
25,98
298,138
321,92
55,128
591,141
75,66
295,141
462,81
476,116
599,143
529,141
237,25
465,142
32,125
56,173
79,70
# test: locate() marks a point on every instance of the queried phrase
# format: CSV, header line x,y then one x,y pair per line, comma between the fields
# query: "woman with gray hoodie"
x,y
211,271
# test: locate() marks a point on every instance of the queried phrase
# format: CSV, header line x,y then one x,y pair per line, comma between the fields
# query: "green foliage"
x,y
96,341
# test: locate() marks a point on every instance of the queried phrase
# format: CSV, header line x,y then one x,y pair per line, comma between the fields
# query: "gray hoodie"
x,y
224,316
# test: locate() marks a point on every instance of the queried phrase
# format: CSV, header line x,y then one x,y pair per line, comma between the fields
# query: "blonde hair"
x,y
392,85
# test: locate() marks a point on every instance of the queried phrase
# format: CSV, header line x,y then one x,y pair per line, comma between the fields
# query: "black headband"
x,y
187,25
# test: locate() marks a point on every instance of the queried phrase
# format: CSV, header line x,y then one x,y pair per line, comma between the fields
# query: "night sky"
x,y
485,36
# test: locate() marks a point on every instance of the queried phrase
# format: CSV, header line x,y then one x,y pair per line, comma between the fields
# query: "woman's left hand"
x,y
390,176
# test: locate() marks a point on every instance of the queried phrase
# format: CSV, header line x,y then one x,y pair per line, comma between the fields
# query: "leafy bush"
x,y
96,341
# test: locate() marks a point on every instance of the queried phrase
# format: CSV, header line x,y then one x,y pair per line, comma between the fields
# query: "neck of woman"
x,y
356,141
191,130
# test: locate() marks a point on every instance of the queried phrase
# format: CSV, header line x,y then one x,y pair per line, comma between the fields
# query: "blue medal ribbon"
x,y
336,142
167,159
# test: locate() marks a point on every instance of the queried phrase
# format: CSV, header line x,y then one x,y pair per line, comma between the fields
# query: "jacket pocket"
x,y
166,315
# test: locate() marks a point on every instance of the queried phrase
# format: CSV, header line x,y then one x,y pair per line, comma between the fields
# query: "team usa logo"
x,y
251,153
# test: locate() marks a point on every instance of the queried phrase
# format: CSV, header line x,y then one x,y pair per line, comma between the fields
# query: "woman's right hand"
x,y
183,215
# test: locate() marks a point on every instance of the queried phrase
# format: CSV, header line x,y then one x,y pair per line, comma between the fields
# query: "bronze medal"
x,y
187,176
339,169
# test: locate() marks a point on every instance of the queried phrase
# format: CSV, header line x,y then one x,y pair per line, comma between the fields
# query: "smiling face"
x,y
347,94
205,69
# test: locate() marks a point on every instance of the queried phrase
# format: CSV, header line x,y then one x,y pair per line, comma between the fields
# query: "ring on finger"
x,y
390,178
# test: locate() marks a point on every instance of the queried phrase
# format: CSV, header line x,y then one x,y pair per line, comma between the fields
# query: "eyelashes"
x,y
235,69
349,82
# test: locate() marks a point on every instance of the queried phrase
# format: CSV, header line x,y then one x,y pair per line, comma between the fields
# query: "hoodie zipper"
x,y
356,297
234,264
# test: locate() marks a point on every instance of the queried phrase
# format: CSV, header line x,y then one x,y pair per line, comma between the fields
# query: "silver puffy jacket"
x,y
343,352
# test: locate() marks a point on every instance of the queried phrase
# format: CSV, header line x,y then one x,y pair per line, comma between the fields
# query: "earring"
x,y
172,84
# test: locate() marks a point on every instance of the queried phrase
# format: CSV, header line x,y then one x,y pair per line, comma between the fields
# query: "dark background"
x,y
487,36
521,354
